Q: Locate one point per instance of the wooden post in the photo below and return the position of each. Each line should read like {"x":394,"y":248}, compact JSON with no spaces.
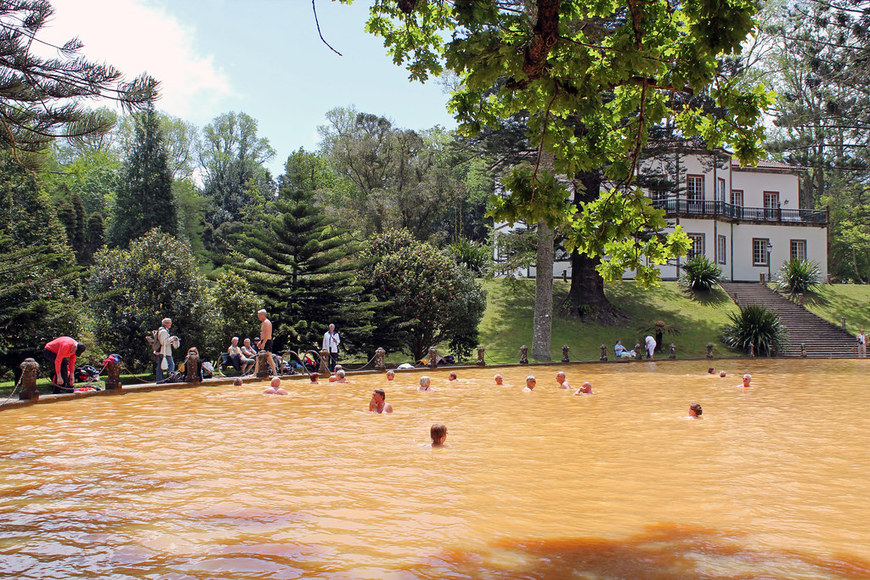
{"x":709,"y":350}
{"x":803,"y":350}
{"x":380,"y":353}
{"x":113,"y":374}
{"x":29,"y":368}
{"x":752,"y":349}
{"x":565,"y":353}
{"x":673,"y":353}
{"x":638,"y":352}
{"x":323,"y":368}
{"x":481,"y":354}
{"x":603,"y":353}
{"x":433,"y":358}
{"x":844,"y":322}
{"x":524,"y":355}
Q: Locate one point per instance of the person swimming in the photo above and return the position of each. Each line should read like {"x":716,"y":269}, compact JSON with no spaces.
{"x":747,"y":379}
{"x":425,"y":383}
{"x":562,"y":380}
{"x":695,"y":411}
{"x":391,"y":374}
{"x":585,"y":389}
{"x":451,"y":377}
{"x":275,"y":388}
{"x":378,"y":403}
{"x":438,"y":433}
{"x":498,"y":379}
{"x":530,"y":384}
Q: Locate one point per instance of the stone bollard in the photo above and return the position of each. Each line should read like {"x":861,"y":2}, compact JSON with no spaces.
{"x":638,"y":352}
{"x":752,"y":350}
{"x":800,"y":298}
{"x":192,"y":368}
{"x":603,"y":353}
{"x":565,"y":353}
{"x":323,"y":368}
{"x":481,"y":352}
{"x":29,"y":368}
{"x":844,"y":322}
{"x":263,"y":364}
{"x":803,"y":350}
{"x":709,"y":350}
{"x":433,"y":358}
{"x":673,"y":351}
{"x":380,"y":353}
{"x":113,"y":374}
{"x":524,"y":355}
{"x":736,"y":299}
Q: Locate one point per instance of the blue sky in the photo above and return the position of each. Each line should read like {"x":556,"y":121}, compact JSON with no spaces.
{"x":263,"y":57}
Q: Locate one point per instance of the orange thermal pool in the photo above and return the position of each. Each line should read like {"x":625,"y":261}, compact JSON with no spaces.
{"x":222,"y":482}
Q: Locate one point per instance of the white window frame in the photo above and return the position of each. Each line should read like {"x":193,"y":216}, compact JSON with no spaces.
{"x":759,"y":259}
{"x":695,"y":250}
{"x":692,"y":192}
{"x":798,"y":249}
{"x":722,"y":249}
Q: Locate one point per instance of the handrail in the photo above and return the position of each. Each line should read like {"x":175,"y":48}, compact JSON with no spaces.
{"x":701,"y":207}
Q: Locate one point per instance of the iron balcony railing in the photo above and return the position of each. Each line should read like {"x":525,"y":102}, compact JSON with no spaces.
{"x":692,"y":207}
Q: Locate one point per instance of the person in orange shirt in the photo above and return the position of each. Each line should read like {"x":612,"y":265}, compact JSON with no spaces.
{"x":61,"y":354}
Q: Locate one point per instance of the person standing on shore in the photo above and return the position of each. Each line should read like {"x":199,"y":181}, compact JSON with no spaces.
{"x":61,"y":354}
{"x":165,"y":344}
{"x":862,"y":344}
{"x":265,"y":342}
{"x":331,"y":340}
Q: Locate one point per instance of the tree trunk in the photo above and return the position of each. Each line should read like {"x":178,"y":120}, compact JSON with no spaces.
{"x":543,"y":325}
{"x":586,"y":297}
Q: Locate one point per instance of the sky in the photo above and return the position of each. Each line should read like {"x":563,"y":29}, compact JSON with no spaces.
{"x":260,"y":57}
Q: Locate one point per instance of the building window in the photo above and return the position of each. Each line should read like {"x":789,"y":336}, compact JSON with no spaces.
{"x":759,"y":251}
{"x":799,"y":250}
{"x":695,"y":187}
{"x":697,"y":248}
{"x":720,"y":190}
{"x":737,"y":197}
{"x":771,"y":204}
{"x":721,"y":249}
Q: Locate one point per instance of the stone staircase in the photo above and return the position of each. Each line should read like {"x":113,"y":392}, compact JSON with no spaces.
{"x":822,"y":339}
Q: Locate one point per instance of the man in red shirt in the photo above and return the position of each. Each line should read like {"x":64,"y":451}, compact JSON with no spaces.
{"x":61,"y":354}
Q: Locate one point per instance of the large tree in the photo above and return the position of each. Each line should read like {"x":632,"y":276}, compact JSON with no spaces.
{"x":145,"y":199}
{"x":303,"y":265}
{"x":45,"y":98}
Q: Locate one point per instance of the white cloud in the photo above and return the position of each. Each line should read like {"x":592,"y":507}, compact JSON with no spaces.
{"x":135,"y":38}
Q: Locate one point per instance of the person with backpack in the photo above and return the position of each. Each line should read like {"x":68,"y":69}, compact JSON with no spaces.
{"x":165,"y":343}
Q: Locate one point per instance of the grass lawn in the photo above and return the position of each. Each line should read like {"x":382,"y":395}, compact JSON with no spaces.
{"x":834,"y":301}
{"x":507,"y":322}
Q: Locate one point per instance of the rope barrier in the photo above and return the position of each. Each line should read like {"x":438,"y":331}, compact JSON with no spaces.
{"x":15,"y":388}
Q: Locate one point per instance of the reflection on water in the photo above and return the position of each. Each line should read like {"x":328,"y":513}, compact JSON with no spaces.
{"x":222,"y":482}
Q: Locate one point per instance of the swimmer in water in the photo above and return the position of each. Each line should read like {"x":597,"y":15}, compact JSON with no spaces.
{"x":711,"y":371}
{"x":585,"y":389}
{"x":562,"y":380}
{"x":424,"y":383}
{"x":339,"y":377}
{"x":451,"y":377}
{"x":746,"y":380}
{"x":722,"y":374}
{"x":275,"y":388}
{"x":391,"y":374}
{"x":314,"y":377}
{"x":695,"y":411}
{"x":237,"y":382}
{"x":378,"y":403}
{"x":498,"y":380}
{"x":438,"y":433}
{"x":530,"y":384}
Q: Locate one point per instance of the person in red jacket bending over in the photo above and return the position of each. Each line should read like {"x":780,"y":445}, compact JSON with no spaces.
{"x":61,"y":354}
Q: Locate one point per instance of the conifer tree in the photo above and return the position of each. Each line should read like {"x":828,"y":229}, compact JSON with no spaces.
{"x":145,"y":197}
{"x":304,"y":266}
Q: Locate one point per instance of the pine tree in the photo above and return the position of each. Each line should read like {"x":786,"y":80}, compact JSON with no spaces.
{"x":304,"y":266}
{"x":145,"y":197}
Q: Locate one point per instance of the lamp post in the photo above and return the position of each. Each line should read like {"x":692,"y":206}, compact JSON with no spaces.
{"x":769,"y":248}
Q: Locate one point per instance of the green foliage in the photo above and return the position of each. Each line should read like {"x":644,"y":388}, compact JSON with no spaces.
{"x":430,"y":299}
{"x":304,"y":266}
{"x":475,"y":256}
{"x":235,"y":311}
{"x":145,"y":198}
{"x":38,"y":296}
{"x":133,"y":289}
{"x":700,"y":274}
{"x":798,"y":277}
{"x":593,"y":78}
{"x":755,"y":325}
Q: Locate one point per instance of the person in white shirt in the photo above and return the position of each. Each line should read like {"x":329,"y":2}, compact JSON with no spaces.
{"x":862,"y":345}
{"x":165,"y":343}
{"x":331,"y":340}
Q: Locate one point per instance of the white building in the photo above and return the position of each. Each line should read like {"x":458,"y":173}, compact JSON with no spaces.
{"x":747,"y":220}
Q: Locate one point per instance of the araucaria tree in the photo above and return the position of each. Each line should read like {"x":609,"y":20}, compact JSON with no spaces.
{"x":145,"y":198}
{"x":303,"y":265}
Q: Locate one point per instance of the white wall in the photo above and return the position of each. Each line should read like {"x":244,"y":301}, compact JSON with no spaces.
{"x":755,"y":183}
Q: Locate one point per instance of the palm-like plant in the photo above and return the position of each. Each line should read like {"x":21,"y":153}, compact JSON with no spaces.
{"x":798,"y":277}
{"x":758,"y":326}
{"x":701,"y":274}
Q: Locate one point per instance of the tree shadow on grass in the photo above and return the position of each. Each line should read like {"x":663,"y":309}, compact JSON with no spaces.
{"x":664,"y":552}
{"x":714,"y":297}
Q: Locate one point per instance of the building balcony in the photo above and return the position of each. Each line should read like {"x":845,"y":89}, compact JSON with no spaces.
{"x":721,"y":210}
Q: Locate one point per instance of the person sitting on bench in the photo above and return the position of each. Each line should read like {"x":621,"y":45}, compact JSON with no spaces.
{"x":237,"y":358}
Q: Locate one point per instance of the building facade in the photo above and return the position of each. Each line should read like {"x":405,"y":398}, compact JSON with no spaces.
{"x":747,"y":220}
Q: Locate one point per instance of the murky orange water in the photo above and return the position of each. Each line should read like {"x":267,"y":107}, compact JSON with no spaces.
{"x":223,"y":482}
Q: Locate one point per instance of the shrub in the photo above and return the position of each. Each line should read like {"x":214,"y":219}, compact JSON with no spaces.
{"x":701,"y":274}
{"x":758,"y":326}
{"x":798,"y":277}
{"x":475,"y":256}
